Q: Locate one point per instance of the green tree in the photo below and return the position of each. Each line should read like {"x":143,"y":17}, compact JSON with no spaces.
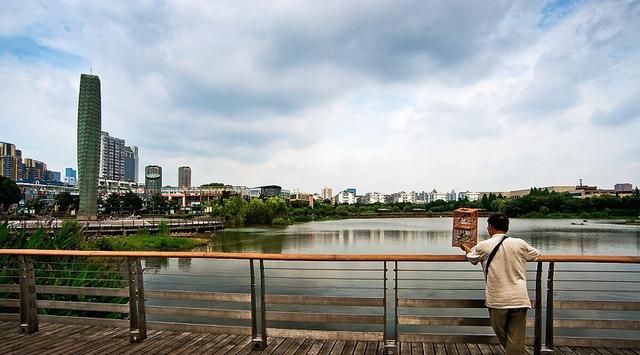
{"x":234,"y":211}
{"x":131,"y":202}
{"x":9,"y":193}
{"x":67,"y":202}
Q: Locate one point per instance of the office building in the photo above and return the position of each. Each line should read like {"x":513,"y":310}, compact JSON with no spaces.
{"x":70,"y":176}
{"x":153,"y":179}
{"x":624,"y":187}
{"x":89,"y":128}
{"x":131,"y":164}
{"x":184,"y":176}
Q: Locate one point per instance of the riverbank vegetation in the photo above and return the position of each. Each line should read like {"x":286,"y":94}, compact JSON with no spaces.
{"x":539,"y":203}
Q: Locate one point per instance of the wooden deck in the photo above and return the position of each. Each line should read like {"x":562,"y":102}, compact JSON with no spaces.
{"x":58,"y":339}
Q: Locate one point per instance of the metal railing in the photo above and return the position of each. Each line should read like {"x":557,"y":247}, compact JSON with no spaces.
{"x":388,"y":298}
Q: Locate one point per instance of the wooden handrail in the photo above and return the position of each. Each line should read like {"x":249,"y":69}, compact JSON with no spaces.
{"x":308,"y":257}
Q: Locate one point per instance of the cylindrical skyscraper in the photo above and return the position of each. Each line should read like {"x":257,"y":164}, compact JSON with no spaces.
{"x":89,"y":126}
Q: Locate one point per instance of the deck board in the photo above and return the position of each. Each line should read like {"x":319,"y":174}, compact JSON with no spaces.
{"x":58,"y":339}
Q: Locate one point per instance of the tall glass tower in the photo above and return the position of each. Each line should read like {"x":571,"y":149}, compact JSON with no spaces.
{"x":89,"y":126}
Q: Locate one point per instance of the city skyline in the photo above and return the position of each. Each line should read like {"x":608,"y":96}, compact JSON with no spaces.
{"x":384,"y":97}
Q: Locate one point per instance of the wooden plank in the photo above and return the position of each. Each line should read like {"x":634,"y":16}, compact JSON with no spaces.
{"x":349,"y":346}
{"x":485,"y":349}
{"x":497,"y":349}
{"x":428,"y":349}
{"x":315,"y":348}
{"x":416,"y":348}
{"x":177,"y":345}
{"x":372,"y":348}
{"x":240,"y":341}
{"x":284,"y":346}
{"x":104,"y":322}
{"x":474,"y":349}
{"x":451,"y":349}
{"x":324,"y":300}
{"x":425,"y":320}
{"x":326,"y":348}
{"x":441,"y":303}
{"x":5,"y":302}
{"x":404,"y":348}
{"x":208,"y":328}
{"x":84,"y":306}
{"x":208,"y":341}
{"x":597,"y":323}
{"x":462,"y":349}
{"x":325,"y":334}
{"x":79,"y":342}
{"x":448,"y":338}
{"x":324,"y":317}
{"x":199,"y":296}
{"x":304,"y":348}
{"x":597,"y":342}
{"x":597,"y":305}
{"x":439,"y":348}
{"x":295,"y":346}
{"x":212,"y":343}
{"x":360,"y":348}
{"x":9,"y":288}
{"x":308,"y":257}
{"x":87,"y":291}
{"x":198,"y":312}
{"x":338,"y":347}
{"x":62,"y":341}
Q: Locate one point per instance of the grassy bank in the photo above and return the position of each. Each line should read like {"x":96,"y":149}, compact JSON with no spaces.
{"x":148,"y":242}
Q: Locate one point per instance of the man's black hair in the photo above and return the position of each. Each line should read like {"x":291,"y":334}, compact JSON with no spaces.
{"x":499,"y":221}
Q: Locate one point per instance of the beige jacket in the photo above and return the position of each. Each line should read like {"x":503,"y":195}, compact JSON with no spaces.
{"x":507,"y":279}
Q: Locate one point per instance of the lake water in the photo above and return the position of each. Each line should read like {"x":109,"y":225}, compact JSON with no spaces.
{"x":426,"y":236}
{"x":417,"y":280}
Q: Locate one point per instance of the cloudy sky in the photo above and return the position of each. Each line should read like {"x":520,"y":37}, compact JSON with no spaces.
{"x":377,"y":95}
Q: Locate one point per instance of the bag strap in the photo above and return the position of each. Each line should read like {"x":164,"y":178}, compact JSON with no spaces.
{"x":493,"y":253}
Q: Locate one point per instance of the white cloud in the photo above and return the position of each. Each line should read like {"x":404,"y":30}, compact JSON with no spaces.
{"x":379,"y":95}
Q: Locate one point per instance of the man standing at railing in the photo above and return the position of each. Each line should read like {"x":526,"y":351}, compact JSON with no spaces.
{"x":504,"y":260}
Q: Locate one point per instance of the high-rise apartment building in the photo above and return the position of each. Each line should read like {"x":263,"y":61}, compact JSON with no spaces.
{"x":184,"y":176}
{"x":117,"y":161}
{"x":153,"y":179}
{"x":10,"y":161}
{"x":34,"y":170}
{"x":89,"y":128}
{"x":326,"y":193}
{"x":111,"y":157}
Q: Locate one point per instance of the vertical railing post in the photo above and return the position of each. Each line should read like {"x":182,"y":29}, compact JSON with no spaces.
{"x":390,"y":345}
{"x":258,"y":329}
{"x":28,"y":306}
{"x":548,"y":339}
{"x":537,"y":340}
{"x":254,"y":324}
{"x":137,"y":318}
{"x":142,"y":314}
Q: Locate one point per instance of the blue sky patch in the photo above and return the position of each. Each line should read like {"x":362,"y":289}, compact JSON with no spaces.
{"x":27,"y":49}
{"x":555,"y":10}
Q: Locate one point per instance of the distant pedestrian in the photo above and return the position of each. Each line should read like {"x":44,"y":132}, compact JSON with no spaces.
{"x":504,"y":260}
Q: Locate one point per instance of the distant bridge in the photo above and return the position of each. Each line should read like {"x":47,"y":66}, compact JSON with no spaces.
{"x":124,"y":226}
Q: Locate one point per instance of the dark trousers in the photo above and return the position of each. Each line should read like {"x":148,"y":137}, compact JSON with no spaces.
{"x":510,"y":326}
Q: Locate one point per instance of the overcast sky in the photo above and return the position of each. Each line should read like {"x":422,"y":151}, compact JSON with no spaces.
{"x":378,"y":95}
